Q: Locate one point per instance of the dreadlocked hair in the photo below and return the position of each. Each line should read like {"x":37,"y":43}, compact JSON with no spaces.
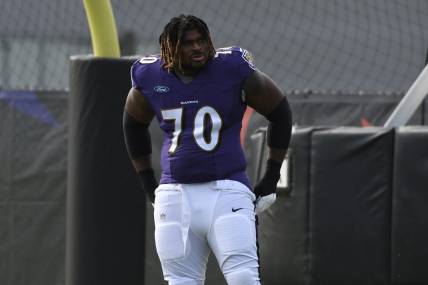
{"x":171,"y":39}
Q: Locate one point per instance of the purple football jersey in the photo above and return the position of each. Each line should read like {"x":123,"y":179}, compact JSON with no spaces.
{"x":201,"y":120}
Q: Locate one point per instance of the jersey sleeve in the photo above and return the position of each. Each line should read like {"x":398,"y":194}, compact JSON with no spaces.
{"x":242,"y":61}
{"x":141,"y":69}
{"x":134,"y":75}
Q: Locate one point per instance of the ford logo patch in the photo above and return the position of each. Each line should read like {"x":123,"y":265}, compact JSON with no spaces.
{"x":161,"y":89}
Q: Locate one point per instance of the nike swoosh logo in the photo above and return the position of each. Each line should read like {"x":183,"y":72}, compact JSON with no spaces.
{"x":237,"y":209}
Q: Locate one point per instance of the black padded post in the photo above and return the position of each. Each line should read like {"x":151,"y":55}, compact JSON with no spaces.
{"x":106,"y":207}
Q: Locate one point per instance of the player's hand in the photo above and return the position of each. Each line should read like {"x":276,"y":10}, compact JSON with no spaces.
{"x":265,"y":190}
{"x":264,"y":202}
{"x":149,"y":183}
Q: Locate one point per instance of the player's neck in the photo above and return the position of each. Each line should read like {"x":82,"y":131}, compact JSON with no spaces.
{"x":186,"y":78}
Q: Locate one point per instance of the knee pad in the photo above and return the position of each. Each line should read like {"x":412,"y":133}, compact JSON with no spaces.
{"x":243,"y":277}
{"x":235,"y":233}
{"x":236,"y":248}
{"x":169,"y":242}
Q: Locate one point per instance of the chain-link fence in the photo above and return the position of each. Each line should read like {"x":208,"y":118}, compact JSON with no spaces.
{"x":376,"y":45}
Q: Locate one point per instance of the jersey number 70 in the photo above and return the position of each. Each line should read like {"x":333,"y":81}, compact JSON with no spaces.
{"x":176,"y":116}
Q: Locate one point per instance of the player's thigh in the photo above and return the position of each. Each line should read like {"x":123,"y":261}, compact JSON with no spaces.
{"x":235,"y":247}
{"x":233,"y":232}
{"x":234,"y":238}
{"x":170,"y":227}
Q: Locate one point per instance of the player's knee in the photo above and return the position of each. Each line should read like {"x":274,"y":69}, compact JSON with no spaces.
{"x":243,"y":277}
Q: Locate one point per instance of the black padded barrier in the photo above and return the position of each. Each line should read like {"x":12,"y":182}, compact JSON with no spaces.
{"x":350,"y":197}
{"x":410,"y":204}
{"x":283,"y":228}
{"x":105,"y":204}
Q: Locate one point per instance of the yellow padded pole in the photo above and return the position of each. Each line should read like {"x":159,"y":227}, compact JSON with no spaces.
{"x":105,"y":42}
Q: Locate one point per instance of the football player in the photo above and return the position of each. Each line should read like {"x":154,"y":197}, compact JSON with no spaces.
{"x":204,"y":202}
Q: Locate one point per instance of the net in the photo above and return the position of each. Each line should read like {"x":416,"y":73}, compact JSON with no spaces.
{"x":356,"y":46}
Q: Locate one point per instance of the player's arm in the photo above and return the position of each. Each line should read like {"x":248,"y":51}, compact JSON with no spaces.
{"x":264,"y":96}
{"x":136,"y":120}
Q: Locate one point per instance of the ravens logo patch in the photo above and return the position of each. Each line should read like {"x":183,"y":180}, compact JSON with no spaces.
{"x":248,"y":57}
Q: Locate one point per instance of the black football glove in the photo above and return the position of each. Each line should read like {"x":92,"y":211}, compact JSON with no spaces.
{"x":149,"y":183}
{"x":265,"y":190}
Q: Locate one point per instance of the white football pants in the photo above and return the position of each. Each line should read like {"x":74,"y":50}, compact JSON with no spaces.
{"x":193,"y":219}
